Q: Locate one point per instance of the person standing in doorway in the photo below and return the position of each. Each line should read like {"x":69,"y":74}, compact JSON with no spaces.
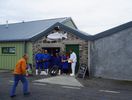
{"x":57,"y":62}
{"x":38,"y":60}
{"x":64,"y":60}
{"x":20,"y":75}
{"x":46,"y":62}
{"x":72,"y":60}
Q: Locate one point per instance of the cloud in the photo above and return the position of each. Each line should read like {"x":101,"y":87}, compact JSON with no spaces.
{"x":91,"y":16}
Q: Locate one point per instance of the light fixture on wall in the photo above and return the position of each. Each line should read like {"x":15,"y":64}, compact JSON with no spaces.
{"x":57,"y":28}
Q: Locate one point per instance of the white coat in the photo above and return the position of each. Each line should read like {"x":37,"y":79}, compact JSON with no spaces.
{"x":73,"y":57}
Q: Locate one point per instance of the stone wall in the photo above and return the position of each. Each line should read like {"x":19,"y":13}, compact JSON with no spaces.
{"x":112,"y":56}
{"x":72,"y":39}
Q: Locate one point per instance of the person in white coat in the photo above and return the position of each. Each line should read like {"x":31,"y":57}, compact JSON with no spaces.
{"x":73,"y":61}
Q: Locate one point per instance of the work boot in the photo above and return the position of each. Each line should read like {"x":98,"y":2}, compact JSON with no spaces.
{"x":43,"y":73}
{"x":36,"y":71}
{"x":72,"y":74}
{"x":12,"y":96}
{"x":59,"y":72}
{"x":26,"y":94}
{"x":47,"y":71}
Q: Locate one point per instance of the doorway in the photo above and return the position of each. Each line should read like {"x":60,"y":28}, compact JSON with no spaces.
{"x":52,"y":50}
{"x":75,"y":48}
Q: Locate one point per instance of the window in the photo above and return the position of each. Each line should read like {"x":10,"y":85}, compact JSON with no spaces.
{"x":8,"y":50}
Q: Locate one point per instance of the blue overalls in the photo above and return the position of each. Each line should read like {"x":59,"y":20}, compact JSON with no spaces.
{"x":57,"y":61}
{"x":46,"y":59}
{"x":64,"y":64}
{"x":52,"y":61}
{"x":38,"y":58}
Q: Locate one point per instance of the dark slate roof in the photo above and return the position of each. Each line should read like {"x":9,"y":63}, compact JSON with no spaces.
{"x":112,"y":31}
{"x":25,"y":31}
{"x":31,"y":31}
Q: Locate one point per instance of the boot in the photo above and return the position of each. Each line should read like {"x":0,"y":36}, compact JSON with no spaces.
{"x":59,"y":72}
{"x":36,"y":71}
{"x":47,"y":71}
{"x":43,"y":73}
{"x":72,"y":74}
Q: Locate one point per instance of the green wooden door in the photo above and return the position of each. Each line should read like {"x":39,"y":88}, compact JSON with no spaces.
{"x":75,"y":48}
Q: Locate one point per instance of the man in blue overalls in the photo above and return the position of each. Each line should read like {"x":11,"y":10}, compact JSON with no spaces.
{"x":46,"y":61}
{"x":51,"y":60}
{"x":56,"y":60}
{"x":64,"y":60}
{"x":38,"y":59}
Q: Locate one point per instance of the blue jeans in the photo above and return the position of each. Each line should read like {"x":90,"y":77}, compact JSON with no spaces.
{"x":24,"y":81}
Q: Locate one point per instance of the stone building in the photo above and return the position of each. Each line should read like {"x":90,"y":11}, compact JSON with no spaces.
{"x":107,"y":54}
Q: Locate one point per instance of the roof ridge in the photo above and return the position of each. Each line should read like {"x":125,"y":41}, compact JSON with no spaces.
{"x":113,"y":30}
{"x":64,"y":18}
{"x":117,"y":26}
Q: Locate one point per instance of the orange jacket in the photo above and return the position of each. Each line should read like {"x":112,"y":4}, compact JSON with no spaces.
{"x":20,"y":67}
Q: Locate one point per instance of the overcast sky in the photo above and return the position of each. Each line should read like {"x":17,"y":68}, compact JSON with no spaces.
{"x":91,"y":16}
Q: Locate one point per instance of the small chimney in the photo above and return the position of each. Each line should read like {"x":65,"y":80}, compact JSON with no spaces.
{"x":7,"y":24}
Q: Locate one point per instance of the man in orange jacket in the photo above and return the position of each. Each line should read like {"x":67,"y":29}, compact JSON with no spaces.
{"x":20,"y":74}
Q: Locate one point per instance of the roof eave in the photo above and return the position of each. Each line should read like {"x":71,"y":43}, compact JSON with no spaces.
{"x":17,"y":40}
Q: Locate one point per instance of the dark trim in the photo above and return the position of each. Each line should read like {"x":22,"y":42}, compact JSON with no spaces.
{"x":113,"y":31}
{"x":19,"y":40}
{"x":8,"y":50}
{"x":75,"y":32}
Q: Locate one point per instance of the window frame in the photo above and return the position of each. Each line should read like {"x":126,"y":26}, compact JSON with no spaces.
{"x":8,"y":50}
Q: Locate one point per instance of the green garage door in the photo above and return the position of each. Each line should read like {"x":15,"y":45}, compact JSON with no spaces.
{"x":75,"y":48}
